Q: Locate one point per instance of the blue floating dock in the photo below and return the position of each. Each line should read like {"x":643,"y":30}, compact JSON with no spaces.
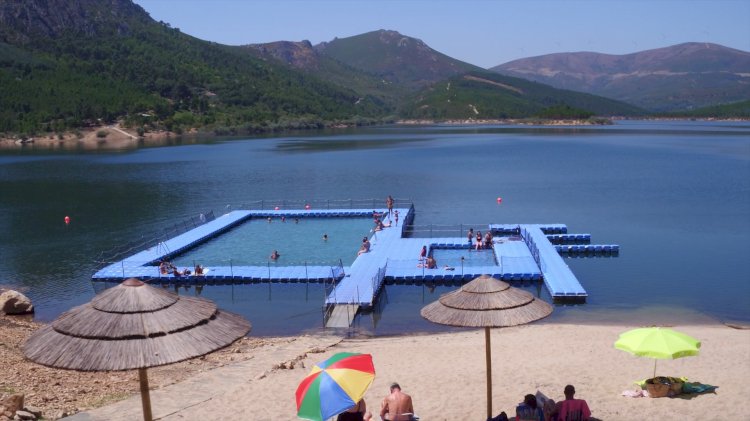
{"x":522,"y":252}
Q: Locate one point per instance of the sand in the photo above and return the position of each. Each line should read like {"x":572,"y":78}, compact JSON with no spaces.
{"x":445,"y":374}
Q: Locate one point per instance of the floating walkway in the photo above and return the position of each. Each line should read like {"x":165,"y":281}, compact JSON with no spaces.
{"x":520,"y":252}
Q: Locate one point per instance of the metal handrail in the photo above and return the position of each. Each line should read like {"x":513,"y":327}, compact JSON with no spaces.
{"x":320,"y":204}
{"x":129,"y":248}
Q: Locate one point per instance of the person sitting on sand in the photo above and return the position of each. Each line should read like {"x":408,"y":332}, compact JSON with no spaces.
{"x":275,"y":255}
{"x":397,"y":406}
{"x":571,"y":408}
{"x":365,"y":247}
{"x":358,"y":412}
{"x":529,"y":410}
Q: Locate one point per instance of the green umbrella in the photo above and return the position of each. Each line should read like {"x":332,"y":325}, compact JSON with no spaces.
{"x":657,"y":342}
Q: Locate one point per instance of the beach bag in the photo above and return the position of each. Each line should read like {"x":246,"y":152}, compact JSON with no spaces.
{"x":660,"y":387}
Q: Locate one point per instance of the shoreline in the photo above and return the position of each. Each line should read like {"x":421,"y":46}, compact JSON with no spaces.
{"x":122,"y":138}
{"x":543,"y":356}
{"x":116,"y":137}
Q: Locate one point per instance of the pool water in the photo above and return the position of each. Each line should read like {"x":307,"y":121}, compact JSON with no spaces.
{"x":298,"y":242}
{"x":452,"y":257}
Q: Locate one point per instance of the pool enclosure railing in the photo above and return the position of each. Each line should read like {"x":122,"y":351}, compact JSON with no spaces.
{"x":282,"y":204}
{"x":117,"y":253}
{"x":451,"y":230}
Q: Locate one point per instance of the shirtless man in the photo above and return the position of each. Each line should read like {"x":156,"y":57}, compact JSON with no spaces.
{"x":397,"y":406}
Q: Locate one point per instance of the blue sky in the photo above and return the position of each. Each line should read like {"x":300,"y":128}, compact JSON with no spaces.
{"x":481,"y":32}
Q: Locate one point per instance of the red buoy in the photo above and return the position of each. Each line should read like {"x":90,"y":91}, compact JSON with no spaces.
{"x":67,"y":220}
{"x":276,"y":208}
{"x":499,"y":200}
{"x":307,"y":207}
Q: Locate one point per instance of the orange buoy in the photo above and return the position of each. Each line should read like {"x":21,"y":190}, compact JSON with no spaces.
{"x":67,"y":220}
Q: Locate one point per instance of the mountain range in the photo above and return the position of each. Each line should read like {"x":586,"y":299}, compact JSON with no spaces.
{"x":70,"y":63}
{"x":680,"y":77}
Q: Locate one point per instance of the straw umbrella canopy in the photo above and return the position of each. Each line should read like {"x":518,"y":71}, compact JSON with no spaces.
{"x":486,"y":302}
{"x":134,"y":325}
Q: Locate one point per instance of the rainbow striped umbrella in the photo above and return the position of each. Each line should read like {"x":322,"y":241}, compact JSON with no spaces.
{"x":334,"y":385}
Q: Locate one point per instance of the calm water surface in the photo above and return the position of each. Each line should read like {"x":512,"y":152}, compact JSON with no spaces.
{"x":674,"y":195}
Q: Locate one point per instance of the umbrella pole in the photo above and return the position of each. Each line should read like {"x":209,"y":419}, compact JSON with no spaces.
{"x":145,"y":397}
{"x":654,"y":367}
{"x":488,"y":357}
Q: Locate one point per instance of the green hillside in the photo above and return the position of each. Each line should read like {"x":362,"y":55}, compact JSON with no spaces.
{"x":302,"y":56}
{"x":739,"y":109}
{"x":150,"y":74}
{"x":485,"y":95}
{"x":394,"y":58}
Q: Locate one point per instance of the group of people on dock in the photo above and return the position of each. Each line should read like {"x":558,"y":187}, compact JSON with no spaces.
{"x":479,"y":242}
{"x":167,"y":268}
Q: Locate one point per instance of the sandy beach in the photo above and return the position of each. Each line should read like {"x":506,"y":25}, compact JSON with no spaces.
{"x":445,"y":374}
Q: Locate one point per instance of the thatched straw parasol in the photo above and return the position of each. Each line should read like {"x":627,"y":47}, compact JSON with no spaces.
{"x":486,"y":302}
{"x":134,"y":325}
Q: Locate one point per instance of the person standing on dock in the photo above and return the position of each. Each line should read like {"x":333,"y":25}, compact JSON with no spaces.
{"x":470,"y":236}
{"x":395,"y":213}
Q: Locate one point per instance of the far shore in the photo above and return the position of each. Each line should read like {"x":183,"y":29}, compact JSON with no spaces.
{"x":89,"y":139}
{"x":117,"y":137}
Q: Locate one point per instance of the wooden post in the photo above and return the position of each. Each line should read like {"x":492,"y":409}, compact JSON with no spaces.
{"x":488,"y":355}
{"x":145,"y":397}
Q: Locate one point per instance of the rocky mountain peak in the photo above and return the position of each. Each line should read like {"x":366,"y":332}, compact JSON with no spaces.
{"x":298,"y":54}
{"x":24,"y":20}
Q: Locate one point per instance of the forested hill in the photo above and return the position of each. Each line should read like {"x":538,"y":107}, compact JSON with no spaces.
{"x":487,"y":95}
{"x":395,"y":58}
{"x":69,"y":63}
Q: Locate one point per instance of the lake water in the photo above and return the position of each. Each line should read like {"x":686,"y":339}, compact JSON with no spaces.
{"x":674,"y":195}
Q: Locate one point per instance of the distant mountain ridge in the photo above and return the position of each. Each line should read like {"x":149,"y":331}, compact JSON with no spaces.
{"x":682,"y":76}
{"x":405,"y":71}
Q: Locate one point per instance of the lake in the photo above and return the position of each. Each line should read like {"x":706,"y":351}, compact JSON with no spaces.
{"x":674,"y":195}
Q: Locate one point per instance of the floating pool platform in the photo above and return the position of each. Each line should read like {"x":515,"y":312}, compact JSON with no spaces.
{"x":522,"y":253}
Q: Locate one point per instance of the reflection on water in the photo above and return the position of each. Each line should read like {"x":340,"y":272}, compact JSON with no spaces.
{"x":674,"y":195}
